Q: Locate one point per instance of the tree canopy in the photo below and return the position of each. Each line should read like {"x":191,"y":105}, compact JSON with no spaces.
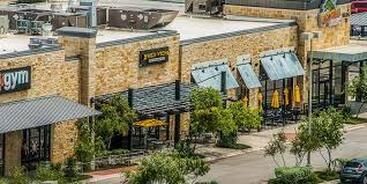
{"x":168,"y":168}
{"x":358,"y":87}
{"x":116,"y":118}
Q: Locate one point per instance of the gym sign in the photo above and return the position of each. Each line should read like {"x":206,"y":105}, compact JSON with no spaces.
{"x":153,"y":56}
{"x":330,"y":15}
{"x":13,"y":80}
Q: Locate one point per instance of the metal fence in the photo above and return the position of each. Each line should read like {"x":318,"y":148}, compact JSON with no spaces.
{"x":283,"y":4}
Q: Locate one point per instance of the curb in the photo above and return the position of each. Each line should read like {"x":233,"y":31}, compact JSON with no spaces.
{"x":351,"y":128}
{"x":101,"y":178}
{"x":233,"y":154}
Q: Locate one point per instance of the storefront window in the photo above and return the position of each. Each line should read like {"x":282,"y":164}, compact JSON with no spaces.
{"x":36,"y":146}
{"x":270,"y":86}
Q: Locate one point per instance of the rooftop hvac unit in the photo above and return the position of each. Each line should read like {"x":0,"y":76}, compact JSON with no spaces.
{"x":4,"y":24}
{"x":138,"y":18}
{"x":209,"y":7}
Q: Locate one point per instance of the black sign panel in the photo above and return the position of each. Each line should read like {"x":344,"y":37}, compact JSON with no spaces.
{"x":13,"y":80}
{"x":153,"y":56}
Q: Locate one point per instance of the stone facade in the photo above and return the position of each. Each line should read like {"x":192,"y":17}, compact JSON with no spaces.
{"x":14,"y":142}
{"x":51,"y":75}
{"x":232,"y":47}
{"x":117,"y":67}
{"x":307,"y":21}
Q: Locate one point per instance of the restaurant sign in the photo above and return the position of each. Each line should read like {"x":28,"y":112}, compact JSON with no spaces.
{"x":153,"y":56}
{"x":13,"y":80}
{"x":330,"y":15}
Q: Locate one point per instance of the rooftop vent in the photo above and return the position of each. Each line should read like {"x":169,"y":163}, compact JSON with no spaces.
{"x":37,"y":43}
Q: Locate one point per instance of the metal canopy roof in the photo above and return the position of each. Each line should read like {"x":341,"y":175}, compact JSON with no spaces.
{"x":359,"y":19}
{"x":156,"y":99}
{"x":353,"y":52}
{"x":39,"y":112}
{"x":282,"y":65}
{"x":248,"y":75}
{"x":210,"y":76}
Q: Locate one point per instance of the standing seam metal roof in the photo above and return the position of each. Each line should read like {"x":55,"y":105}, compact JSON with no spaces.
{"x":40,"y":112}
{"x":155,"y":99}
{"x":359,"y":19}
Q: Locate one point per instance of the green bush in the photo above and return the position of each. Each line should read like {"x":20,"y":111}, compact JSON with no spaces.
{"x":46,"y":172}
{"x":18,"y":176}
{"x":3,"y":181}
{"x":327,"y":175}
{"x":185,"y":149}
{"x":228,"y":140}
{"x":208,"y":182}
{"x":347,"y":113}
{"x":294,"y":175}
{"x":71,"y":169}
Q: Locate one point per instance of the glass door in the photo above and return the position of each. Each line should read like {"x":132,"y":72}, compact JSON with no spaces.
{"x":36,"y":146}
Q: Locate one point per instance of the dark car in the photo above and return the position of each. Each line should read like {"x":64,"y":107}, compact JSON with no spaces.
{"x":354,"y":171}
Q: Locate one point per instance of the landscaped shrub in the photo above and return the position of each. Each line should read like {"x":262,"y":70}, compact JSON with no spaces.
{"x":294,"y":175}
{"x":71,"y":169}
{"x":208,"y":182}
{"x":46,"y":172}
{"x":18,"y":176}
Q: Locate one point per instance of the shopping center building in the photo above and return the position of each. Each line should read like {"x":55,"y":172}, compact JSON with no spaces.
{"x":255,"y":50}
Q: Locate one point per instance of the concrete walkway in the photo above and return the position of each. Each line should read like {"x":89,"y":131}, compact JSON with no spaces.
{"x":257,"y":140}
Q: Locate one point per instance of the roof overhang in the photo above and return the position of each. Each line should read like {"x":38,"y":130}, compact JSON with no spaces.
{"x":40,"y":112}
{"x":353,"y":52}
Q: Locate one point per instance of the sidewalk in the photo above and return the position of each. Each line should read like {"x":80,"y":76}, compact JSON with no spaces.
{"x":257,"y":141}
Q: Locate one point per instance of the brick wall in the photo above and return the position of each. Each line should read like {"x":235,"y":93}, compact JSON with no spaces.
{"x":117,"y":67}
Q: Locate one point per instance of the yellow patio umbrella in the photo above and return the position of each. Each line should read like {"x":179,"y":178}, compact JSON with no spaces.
{"x":275,"y":100}
{"x":245,"y":101}
{"x":260,"y":99}
{"x":148,"y":123}
{"x":286,"y":96}
{"x":297,"y":94}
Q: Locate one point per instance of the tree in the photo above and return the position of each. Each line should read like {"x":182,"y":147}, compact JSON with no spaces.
{"x":277,"y":146}
{"x":87,"y":148}
{"x":326,"y":133}
{"x":209,"y":115}
{"x":330,"y":132}
{"x":116,"y":118}
{"x":245,"y":117}
{"x":168,"y":168}
{"x":358,"y":88}
{"x":305,"y":142}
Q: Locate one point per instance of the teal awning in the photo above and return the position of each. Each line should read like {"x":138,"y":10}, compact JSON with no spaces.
{"x":282,"y":65}
{"x":210,"y":76}
{"x":248,"y":75}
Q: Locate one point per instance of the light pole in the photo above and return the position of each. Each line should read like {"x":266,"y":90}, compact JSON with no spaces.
{"x":310,"y":36}
{"x":310,"y":81}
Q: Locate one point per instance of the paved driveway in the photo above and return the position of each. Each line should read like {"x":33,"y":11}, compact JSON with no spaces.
{"x":253,"y":168}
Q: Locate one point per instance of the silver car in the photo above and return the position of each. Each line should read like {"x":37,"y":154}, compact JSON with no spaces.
{"x":354,"y":171}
